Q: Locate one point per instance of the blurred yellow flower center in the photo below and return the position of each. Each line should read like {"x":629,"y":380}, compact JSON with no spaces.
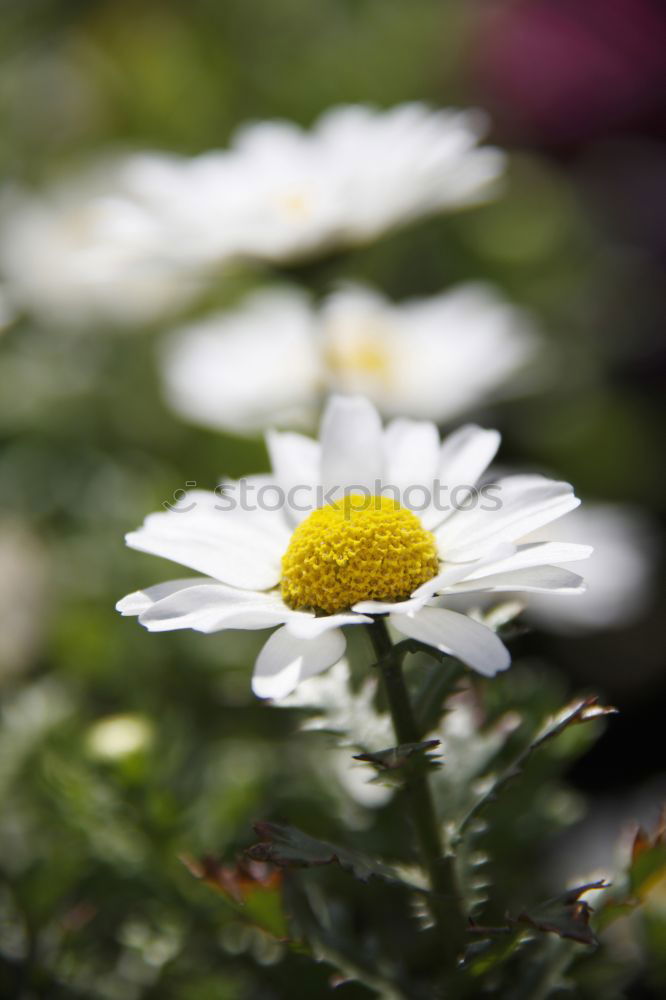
{"x":359,"y":548}
{"x":362,"y":356}
{"x":296,"y":206}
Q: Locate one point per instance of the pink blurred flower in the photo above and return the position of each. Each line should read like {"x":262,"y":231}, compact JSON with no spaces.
{"x":561,"y":72}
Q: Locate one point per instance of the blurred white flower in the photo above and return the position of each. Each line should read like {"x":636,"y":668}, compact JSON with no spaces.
{"x":118,"y":736}
{"x":87,"y":251}
{"x":331,"y":549}
{"x":271,"y":360}
{"x":130,"y":240}
{"x":618,"y":574}
{"x":281,"y":192}
{"x":250,"y":368}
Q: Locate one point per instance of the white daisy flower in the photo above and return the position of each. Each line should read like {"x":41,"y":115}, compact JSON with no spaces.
{"x":271,"y":360}
{"x":86,"y":250}
{"x":319,"y":545}
{"x":281,"y":192}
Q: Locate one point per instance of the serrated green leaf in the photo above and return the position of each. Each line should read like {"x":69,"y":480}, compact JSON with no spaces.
{"x":395,"y":758}
{"x":580,"y":711}
{"x":287,"y":847}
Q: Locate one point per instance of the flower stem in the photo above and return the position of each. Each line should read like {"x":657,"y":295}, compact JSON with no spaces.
{"x":445,"y":900}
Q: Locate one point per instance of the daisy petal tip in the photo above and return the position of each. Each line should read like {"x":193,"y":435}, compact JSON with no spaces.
{"x":135,"y":539}
{"x":262,"y":691}
{"x":343,"y":405}
{"x":274,"y":688}
{"x":499,"y":667}
{"x":496,"y":663}
{"x":584,"y":551}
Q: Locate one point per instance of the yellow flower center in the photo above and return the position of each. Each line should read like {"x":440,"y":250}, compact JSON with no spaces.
{"x":359,"y":548}
{"x":296,"y":205}
{"x":362,"y":355}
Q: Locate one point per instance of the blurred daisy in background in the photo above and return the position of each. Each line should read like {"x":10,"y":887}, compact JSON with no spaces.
{"x":131,"y":240}
{"x":313,"y":567}
{"x":281,"y":192}
{"x":86,"y":251}
{"x":273,"y":358}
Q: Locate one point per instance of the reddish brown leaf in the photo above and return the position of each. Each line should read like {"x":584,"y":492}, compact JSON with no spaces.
{"x":235,"y":881}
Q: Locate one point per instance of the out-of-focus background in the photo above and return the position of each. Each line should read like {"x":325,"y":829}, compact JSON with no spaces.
{"x":119,"y":750}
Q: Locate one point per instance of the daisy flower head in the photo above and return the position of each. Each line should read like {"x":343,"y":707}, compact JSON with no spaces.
{"x":88,"y":250}
{"x":358,"y":172}
{"x":272,"y":359}
{"x":365,"y":522}
{"x":280,"y":192}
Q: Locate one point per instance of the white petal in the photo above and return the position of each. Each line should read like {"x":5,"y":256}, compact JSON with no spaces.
{"x":452,"y":573}
{"x":458,"y":635}
{"x":411,"y":450}
{"x":351,"y":443}
{"x":207,"y":606}
{"x":533,"y":579}
{"x":306,"y":626}
{"x":141,"y":600}
{"x":240,"y":548}
{"x":465,"y":455}
{"x":518,"y":505}
{"x":285,"y":660}
{"x":531,"y":554}
{"x":384,"y":607}
{"x":247,"y":368}
{"x":296,"y":462}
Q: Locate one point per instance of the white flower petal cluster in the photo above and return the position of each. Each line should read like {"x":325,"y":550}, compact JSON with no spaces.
{"x":89,"y":250}
{"x":281,"y":192}
{"x":479,"y":549}
{"x":270,"y":360}
{"x":129,"y":240}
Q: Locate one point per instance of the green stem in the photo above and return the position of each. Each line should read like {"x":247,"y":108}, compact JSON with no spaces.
{"x":446,"y":905}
